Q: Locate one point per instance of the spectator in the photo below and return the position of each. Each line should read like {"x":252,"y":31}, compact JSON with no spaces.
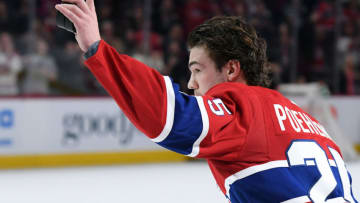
{"x":215,"y":8}
{"x":129,"y":41}
{"x":324,"y":14}
{"x":50,"y":22}
{"x":4,"y":17}
{"x":105,"y":11}
{"x":277,"y":8}
{"x":154,"y":59}
{"x":346,"y":49}
{"x":240,"y":9}
{"x":285,"y":51}
{"x":195,"y":12}
{"x":19,"y":18}
{"x":175,"y":33}
{"x":351,"y":10}
{"x":323,"y":46}
{"x":45,"y":7}
{"x":261,"y":19}
{"x":40,"y":69}
{"x":349,"y":74}
{"x":10,"y":66}
{"x":108,"y":34}
{"x":319,"y":68}
{"x":176,"y":65}
{"x":71,"y":79}
{"x":165,"y":16}
{"x":175,"y":56}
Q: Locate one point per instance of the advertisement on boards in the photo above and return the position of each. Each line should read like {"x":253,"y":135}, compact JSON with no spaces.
{"x":7,"y":126}
{"x":66,"y":125}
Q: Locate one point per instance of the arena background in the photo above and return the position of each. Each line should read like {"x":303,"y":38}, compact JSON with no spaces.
{"x":54,"y":114}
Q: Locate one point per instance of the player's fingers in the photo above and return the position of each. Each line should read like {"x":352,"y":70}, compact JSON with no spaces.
{"x":91,"y":4}
{"x":68,"y":13}
{"x":74,"y":9}
{"x":80,"y":3}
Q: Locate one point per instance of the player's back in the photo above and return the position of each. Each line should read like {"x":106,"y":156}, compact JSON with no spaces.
{"x":289,"y":157}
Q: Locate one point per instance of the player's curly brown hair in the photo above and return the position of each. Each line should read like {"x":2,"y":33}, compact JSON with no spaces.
{"x":232,"y":38}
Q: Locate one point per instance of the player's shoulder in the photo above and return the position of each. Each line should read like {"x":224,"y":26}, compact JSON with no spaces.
{"x":252,"y":98}
{"x":243,"y":90}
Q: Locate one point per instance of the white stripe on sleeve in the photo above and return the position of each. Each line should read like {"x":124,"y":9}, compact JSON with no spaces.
{"x":205,"y":122}
{"x":170,"y":111}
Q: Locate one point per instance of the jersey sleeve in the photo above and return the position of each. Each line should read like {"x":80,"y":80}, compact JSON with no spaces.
{"x":186,"y":124}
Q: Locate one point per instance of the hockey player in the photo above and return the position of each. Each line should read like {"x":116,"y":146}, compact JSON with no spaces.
{"x":260,"y":146}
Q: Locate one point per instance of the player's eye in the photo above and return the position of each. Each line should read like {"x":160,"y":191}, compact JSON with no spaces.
{"x":196,"y":70}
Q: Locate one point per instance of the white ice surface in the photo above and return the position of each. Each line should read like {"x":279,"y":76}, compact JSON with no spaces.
{"x":158,"y":183}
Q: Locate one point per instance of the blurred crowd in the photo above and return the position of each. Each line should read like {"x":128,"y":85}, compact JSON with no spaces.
{"x":307,"y":41}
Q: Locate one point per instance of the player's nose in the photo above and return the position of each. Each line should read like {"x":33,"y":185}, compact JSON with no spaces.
{"x":192,"y":83}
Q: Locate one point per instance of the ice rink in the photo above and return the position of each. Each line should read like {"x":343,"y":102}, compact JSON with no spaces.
{"x":159,"y":183}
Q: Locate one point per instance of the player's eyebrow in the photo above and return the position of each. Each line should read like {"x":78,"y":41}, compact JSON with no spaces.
{"x":192,"y":63}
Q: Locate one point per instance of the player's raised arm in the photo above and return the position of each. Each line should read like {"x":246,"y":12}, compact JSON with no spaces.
{"x":151,"y":101}
{"x":154,"y":104}
{"x":83,"y":15}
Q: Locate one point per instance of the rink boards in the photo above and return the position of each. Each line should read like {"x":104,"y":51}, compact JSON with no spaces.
{"x":47,"y":132}
{"x":63,"y":131}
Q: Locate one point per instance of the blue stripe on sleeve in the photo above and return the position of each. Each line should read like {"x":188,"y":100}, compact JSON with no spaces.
{"x":187,"y":125}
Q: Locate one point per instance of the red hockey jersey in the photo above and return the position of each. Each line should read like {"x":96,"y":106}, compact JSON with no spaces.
{"x":260,"y":146}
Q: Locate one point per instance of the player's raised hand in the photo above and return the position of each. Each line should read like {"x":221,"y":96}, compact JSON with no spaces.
{"x":83,"y":15}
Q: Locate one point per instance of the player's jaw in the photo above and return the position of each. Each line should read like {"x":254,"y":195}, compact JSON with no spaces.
{"x":196,"y":93}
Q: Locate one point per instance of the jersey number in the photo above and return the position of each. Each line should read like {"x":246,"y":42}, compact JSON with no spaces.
{"x":217,"y":107}
{"x":310,"y":153}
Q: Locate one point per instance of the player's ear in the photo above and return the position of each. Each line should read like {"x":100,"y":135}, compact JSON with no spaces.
{"x":234,"y":71}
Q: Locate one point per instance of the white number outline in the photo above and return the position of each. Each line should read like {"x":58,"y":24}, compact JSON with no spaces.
{"x":309,"y":152}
